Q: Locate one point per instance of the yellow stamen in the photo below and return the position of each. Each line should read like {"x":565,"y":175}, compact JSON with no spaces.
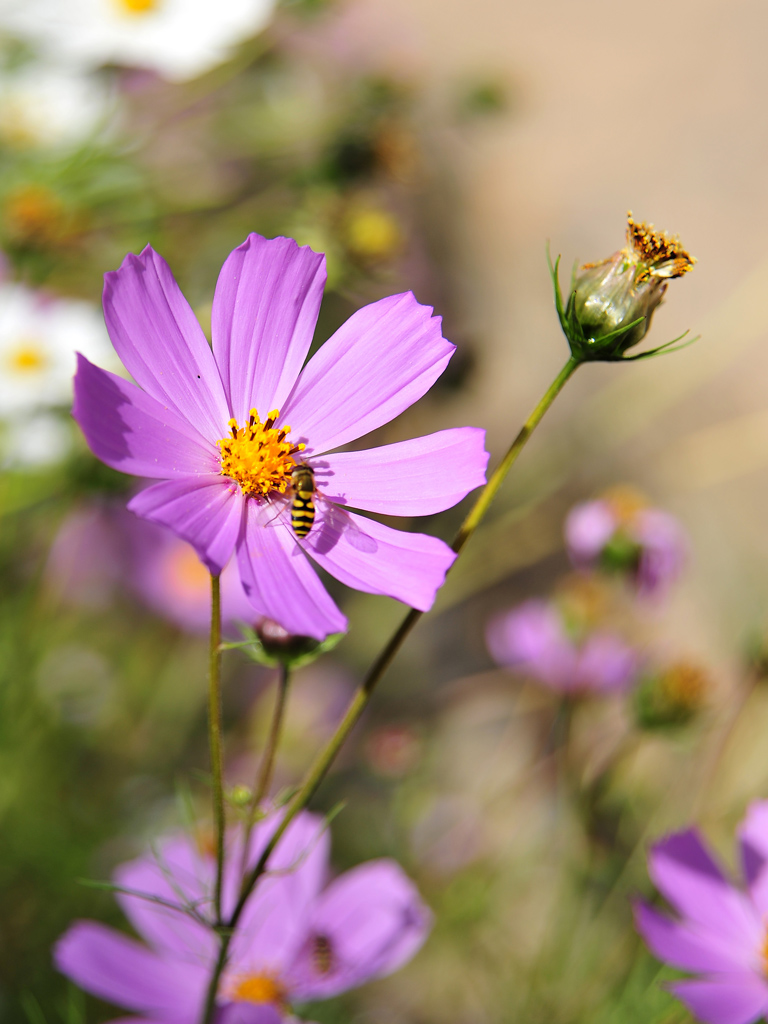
{"x":137,"y":6}
{"x":186,"y":573}
{"x":685,"y":685}
{"x":625,"y":501}
{"x":258,"y":988}
{"x":664,"y":256}
{"x":27,"y":357}
{"x":258,"y":456}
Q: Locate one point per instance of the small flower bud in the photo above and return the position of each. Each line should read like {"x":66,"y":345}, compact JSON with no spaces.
{"x":270,"y":644}
{"x":240,"y":796}
{"x":611,"y":303}
{"x":281,"y":645}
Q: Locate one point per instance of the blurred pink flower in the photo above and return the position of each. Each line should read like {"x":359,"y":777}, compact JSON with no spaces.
{"x":101,"y":546}
{"x":300,"y":938}
{"x":532,"y":639}
{"x":646,"y":543}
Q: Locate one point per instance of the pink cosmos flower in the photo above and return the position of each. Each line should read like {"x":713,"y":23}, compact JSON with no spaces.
{"x":300,"y":937}
{"x":721,"y":933}
{"x":532,"y":638}
{"x":647,"y":543}
{"x":212,"y":425}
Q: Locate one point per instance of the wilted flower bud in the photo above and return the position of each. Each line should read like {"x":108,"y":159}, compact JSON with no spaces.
{"x":672,"y":697}
{"x":611,"y":303}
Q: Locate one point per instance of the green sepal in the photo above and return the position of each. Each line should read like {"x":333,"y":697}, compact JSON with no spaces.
{"x":303,"y":650}
{"x":666,"y":349}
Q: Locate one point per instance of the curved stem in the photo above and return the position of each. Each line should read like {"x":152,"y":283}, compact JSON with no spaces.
{"x":267,"y":765}
{"x":361,"y":698}
{"x":214,"y":737}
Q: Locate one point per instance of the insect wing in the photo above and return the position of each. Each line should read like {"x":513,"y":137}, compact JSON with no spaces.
{"x":343,"y":523}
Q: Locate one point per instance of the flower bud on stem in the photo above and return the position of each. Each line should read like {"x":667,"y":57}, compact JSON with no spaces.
{"x":608,"y":310}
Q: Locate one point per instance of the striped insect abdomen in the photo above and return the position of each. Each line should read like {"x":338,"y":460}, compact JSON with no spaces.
{"x":302,"y":513}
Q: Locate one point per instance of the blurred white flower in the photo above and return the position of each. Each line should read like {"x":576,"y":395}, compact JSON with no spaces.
{"x":46,"y":106}
{"x":41,"y":441}
{"x":179,"y":39}
{"x":39,"y":335}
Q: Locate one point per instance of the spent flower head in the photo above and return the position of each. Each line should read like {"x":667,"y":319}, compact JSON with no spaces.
{"x":300,"y":938}
{"x":242,"y":438}
{"x":719,"y":932}
{"x":611,"y":302}
{"x":672,"y":696}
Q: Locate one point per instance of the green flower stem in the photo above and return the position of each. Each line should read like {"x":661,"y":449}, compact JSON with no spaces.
{"x":363,"y":695}
{"x":214,"y":737}
{"x":267,"y":766}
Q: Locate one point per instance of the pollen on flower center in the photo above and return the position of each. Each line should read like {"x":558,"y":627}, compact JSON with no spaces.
{"x":258,"y":456}
{"x":27,"y":357}
{"x":257,"y":988}
{"x":137,"y":6}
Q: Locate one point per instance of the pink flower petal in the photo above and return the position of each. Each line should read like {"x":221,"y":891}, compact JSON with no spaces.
{"x":588,"y":528}
{"x":279,"y":580}
{"x":730,"y":999}
{"x":381,"y":361}
{"x":605,"y":664}
{"x":531,"y":638}
{"x":412,"y":478}
{"x":691,"y":881}
{"x":206,"y":511}
{"x":373,"y":920}
{"x":683,"y":947}
{"x":134,"y":433}
{"x":264,"y":314}
{"x":178,"y":874}
{"x":161,"y":344}
{"x":753,"y":840}
{"x":123,"y":972}
{"x":378,"y":560}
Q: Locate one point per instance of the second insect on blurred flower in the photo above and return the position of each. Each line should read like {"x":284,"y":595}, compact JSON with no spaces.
{"x":300,"y":938}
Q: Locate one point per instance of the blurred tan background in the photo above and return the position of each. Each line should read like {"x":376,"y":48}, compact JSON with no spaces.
{"x":659,"y":108}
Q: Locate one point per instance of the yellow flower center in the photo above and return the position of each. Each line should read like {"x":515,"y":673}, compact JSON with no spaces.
{"x":137,"y":6}
{"x":27,"y":357}
{"x":258,"y":456}
{"x":372,"y":233}
{"x":258,"y":988}
{"x":186,"y":573}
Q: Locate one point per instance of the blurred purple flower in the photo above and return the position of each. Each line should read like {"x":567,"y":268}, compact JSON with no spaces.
{"x":101,"y":546}
{"x":646,"y":542}
{"x":211,"y":425}
{"x":721,"y":934}
{"x":532,"y":638}
{"x":299,"y":938}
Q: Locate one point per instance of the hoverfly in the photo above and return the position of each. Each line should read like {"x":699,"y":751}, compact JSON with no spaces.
{"x":303,"y":493}
{"x":322,"y":954}
{"x":303,"y":505}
